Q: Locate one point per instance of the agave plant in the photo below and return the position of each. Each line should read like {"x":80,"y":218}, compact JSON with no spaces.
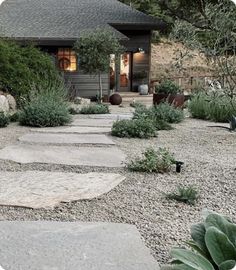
{"x":213,"y":246}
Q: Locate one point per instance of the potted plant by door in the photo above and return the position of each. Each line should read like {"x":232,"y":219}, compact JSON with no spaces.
{"x":168,"y":91}
{"x":140,"y":81}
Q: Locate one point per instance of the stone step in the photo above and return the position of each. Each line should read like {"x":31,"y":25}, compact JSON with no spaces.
{"x":73,"y":246}
{"x":40,"y":189}
{"x":67,"y":138}
{"x":110,"y":157}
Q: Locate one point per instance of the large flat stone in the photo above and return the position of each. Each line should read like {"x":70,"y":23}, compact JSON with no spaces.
{"x":90,"y":122}
{"x":37,"y":189}
{"x":79,"y":156}
{"x":74,"y":129}
{"x":60,"y":138}
{"x":72,"y":246}
{"x":111,"y":116}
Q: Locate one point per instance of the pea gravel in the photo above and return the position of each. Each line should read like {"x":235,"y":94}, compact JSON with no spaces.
{"x":209,"y":154}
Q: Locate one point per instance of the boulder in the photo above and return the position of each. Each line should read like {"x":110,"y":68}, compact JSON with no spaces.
{"x":4,"y":105}
{"x":82,"y":101}
{"x":11,"y":102}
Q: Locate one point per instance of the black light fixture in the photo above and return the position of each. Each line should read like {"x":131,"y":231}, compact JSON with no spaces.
{"x":179,"y":164}
{"x":140,"y":50}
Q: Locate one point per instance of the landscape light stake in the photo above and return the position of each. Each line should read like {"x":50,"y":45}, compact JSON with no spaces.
{"x":233,"y":124}
{"x":179,"y":165}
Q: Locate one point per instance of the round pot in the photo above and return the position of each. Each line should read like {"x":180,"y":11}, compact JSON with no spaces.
{"x":176,"y":100}
{"x":115,"y":99}
{"x":143,"y":89}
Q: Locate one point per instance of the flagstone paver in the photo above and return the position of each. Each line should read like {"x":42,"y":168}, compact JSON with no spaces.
{"x":91,"y":122}
{"x":60,"y":138}
{"x":73,"y":246}
{"x":78,"y":156}
{"x":39,"y":189}
{"x":74,"y":129}
{"x":111,"y":116}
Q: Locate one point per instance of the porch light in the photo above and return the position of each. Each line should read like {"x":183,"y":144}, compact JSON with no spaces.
{"x":140,"y":50}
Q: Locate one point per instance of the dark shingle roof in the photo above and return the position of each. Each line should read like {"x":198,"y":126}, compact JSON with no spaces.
{"x":66,"y":19}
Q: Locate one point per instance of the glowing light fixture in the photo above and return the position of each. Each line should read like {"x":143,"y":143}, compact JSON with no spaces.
{"x":140,"y":50}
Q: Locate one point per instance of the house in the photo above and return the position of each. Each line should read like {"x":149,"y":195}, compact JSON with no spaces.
{"x":55,"y":25}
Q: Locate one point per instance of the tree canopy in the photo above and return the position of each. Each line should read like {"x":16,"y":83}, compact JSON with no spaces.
{"x":192,"y":11}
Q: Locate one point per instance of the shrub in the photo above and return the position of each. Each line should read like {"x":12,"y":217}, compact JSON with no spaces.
{"x":213,"y":106}
{"x":199,"y":105}
{"x":47,"y":108}
{"x":187,"y":195}
{"x":23,"y":66}
{"x":168,"y":87}
{"x":161,"y":115}
{"x":95,"y":109}
{"x":4,"y":120}
{"x":135,"y":105}
{"x":14,"y":117}
{"x":159,"y":161}
{"x":213,"y":246}
{"x":136,"y":128}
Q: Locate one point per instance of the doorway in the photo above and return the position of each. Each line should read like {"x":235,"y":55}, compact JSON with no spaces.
{"x":125,"y":72}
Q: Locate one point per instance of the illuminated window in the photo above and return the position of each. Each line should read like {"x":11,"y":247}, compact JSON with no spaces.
{"x":67,"y":59}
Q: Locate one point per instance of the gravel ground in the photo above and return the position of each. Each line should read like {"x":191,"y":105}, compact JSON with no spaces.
{"x":209,"y":154}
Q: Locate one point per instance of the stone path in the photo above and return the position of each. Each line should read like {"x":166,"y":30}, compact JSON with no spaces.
{"x":73,"y":246}
{"x":37,"y":189}
{"x":91,"y":122}
{"x":65,"y":155}
{"x":74,"y":129}
{"x":60,"y":138}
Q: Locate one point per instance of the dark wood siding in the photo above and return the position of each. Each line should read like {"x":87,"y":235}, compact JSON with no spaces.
{"x":85,"y":85}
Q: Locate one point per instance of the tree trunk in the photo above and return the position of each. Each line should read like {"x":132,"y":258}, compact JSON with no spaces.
{"x":100,"y":87}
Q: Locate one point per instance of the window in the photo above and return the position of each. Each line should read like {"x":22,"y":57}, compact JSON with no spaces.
{"x":67,"y":59}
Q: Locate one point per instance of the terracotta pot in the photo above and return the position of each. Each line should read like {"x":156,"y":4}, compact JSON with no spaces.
{"x":115,"y":99}
{"x":176,"y":100}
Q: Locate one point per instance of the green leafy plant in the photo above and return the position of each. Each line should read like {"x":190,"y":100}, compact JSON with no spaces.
{"x":161,"y":115}
{"x":14,"y":117}
{"x":159,"y":161}
{"x":47,"y":107}
{"x":187,"y":195}
{"x":136,"y":104}
{"x":213,"y":246}
{"x":4,"y":120}
{"x":135,"y":128}
{"x":23,"y":66}
{"x":95,"y":109}
{"x":168,"y":87}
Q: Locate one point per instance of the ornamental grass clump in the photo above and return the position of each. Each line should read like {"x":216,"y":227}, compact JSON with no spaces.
{"x":213,"y":106}
{"x":157,"y":161}
{"x":4,"y":120}
{"x":188,"y":195}
{"x":213,"y":246}
{"x":47,"y":107}
{"x":135,"y":128}
{"x":95,"y":109}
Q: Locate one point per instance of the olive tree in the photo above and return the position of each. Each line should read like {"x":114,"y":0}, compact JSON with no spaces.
{"x":94,"y":50}
{"x":218,"y":43}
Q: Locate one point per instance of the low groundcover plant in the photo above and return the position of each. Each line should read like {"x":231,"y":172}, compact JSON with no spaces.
{"x":213,"y":246}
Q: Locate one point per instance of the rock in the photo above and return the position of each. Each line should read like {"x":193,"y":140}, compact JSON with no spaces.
{"x":4,"y":105}
{"x":82,"y":101}
{"x":11,"y":102}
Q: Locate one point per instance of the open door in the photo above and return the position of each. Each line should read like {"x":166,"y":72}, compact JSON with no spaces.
{"x":125,"y":72}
